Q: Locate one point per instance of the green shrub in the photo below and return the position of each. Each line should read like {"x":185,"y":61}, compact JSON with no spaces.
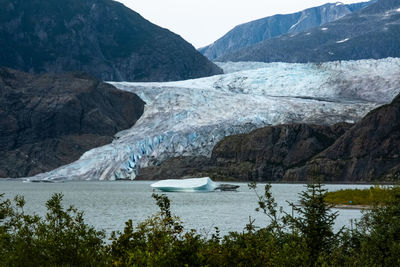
{"x":60,"y":239}
{"x":373,"y":195}
{"x":158,"y":241}
{"x":303,"y":238}
{"x":377,"y":235}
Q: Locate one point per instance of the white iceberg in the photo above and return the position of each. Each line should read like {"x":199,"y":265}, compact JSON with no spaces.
{"x":204,"y":184}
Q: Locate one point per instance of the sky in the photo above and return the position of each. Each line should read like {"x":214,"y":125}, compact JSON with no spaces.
{"x":201,"y":22}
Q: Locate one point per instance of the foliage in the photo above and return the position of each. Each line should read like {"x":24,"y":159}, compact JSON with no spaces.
{"x":377,"y":235}
{"x":303,"y":238}
{"x":158,"y":241}
{"x":311,"y":227}
{"x":373,"y":195}
{"x":61,"y":238}
{"x":314,"y":223}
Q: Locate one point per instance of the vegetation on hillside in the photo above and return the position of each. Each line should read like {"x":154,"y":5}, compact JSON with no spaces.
{"x":377,"y":195}
{"x":304,"y":238}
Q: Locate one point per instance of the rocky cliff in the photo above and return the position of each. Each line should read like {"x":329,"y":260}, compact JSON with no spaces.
{"x":262,"y":155}
{"x":51,"y":120}
{"x":100,"y":37}
{"x":265,"y":154}
{"x":372,"y":32}
{"x":253,"y":32}
{"x":369,"y":151}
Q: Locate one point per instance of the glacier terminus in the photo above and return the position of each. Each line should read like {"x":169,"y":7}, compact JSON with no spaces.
{"x":187,"y":118}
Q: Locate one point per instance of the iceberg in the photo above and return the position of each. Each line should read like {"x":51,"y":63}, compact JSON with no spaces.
{"x":204,"y":184}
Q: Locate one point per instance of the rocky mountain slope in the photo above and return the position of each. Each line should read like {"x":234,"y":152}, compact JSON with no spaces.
{"x":253,"y":32}
{"x":188,"y":118}
{"x":369,"y":151}
{"x":265,"y":154}
{"x":261,"y":155}
{"x":372,"y":32}
{"x":51,"y":120}
{"x":100,"y":37}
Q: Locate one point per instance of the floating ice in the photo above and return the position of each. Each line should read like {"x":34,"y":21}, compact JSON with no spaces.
{"x":204,"y":184}
{"x":342,"y":41}
{"x":187,"y":118}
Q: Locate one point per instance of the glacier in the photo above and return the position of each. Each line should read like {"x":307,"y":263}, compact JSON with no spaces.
{"x":187,"y":118}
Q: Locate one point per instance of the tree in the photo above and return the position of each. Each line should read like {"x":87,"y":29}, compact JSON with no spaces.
{"x":376,"y":238}
{"x":311,"y":223}
{"x":158,"y":241}
{"x":61,"y":238}
{"x":314,"y":221}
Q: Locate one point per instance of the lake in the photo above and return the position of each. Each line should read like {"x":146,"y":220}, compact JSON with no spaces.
{"x":108,"y":205}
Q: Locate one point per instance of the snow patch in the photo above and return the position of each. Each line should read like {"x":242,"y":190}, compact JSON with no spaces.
{"x":343,"y":41}
{"x":303,"y":16}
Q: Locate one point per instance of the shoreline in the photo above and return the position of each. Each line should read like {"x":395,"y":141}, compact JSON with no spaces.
{"x":352,"y":207}
{"x":217,"y":181}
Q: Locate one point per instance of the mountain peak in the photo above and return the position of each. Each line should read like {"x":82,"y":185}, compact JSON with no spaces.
{"x":371,"y":32}
{"x":251,"y":33}
{"x":101,"y":37}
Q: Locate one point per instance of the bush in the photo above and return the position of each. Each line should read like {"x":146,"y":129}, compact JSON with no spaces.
{"x":304,"y":238}
{"x":158,"y":241}
{"x":377,"y":235}
{"x":61,"y":238}
{"x":373,"y":195}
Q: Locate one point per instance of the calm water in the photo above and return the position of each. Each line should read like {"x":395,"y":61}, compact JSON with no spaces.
{"x":108,"y":205}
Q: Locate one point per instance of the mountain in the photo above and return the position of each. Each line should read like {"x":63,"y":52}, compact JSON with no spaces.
{"x":188,"y":118}
{"x":50,"y":120}
{"x":99,"y":37}
{"x":369,"y":151}
{"x":253,"y":32}
{"x":372,"y":32}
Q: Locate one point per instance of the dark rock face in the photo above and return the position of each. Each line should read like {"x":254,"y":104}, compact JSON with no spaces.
{"x":51,"y":120}
{"x":253,"y":32}
{"x":264,"y":154}
{"x":369,"y":151}
{"x":100,"y":37}
{"x":372,"y":32}
{"x":180,"y":167}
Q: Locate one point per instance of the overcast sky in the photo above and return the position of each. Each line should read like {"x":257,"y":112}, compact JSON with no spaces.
{"x":201,"y":22}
